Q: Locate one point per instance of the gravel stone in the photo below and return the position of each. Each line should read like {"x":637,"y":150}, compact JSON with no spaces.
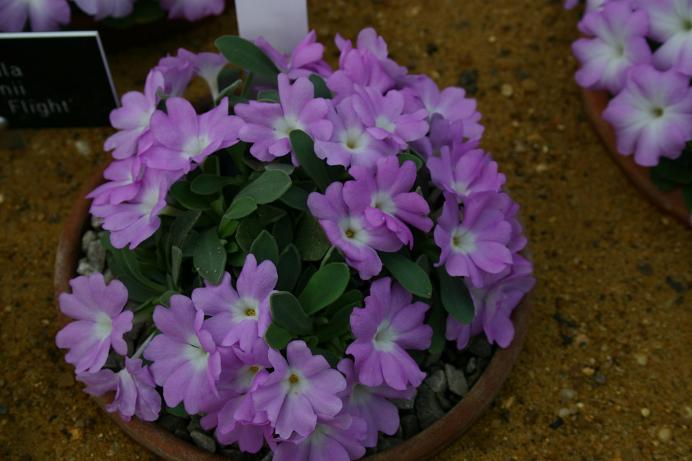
{"x":471,"y":366}
{"x":84,"y":268}
{"x":88,"y":237}
{"x":428,"y":408}
{"x":456,"y":381}
{"x":567,"y":394}
{"x":409,"y":426}
{"x":96,"y":255}
{"x":479,"y":346}
{"x":203,"y":441}
{"x":403,"y":404}
{"x":3,"y":409}
{"x":437,"y":381}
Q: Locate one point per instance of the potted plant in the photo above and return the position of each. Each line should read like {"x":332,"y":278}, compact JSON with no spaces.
{"x":319,"y":266}
{"x":635,"y":74}
{"x":121,"y":23}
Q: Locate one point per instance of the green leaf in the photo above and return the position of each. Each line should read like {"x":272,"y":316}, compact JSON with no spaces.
{"x":246,"y":55}
{"x":311,"y":240}
{"x":321,"y":88}
{"x":270,"y":214}
{"x":182,"y":193}
{"x":437,"y":320}
{"x":229,"y":91}
{"x":687,"y":196}
{"x":303,"y":147}
{"x":178,"y":411}
{"x":268,"y":95}
{"x":288,"y":268}
{"x":409,"y":274}
{"x":455,"y":297}
{"x":212,"y":165}
{"x":339,"y":324}
{"x":268,"y":187}
{"x":288,"y":314}
{"x":207,"y":184}
{"x":240,"y":208}
{"x":247,"y":231}
{"x":296,"y":197}
{"x":408,"y":156}
{"x":264,"y":248}
{"x":182,"y":226}
{"x":209,"y":257}
{"x":325,"y":287}
{"x":285,"y":167}
{"x":176,"y":262}
{"x":277,"y":337}
{"x":678,"y":170}
{"x":282,"y":230}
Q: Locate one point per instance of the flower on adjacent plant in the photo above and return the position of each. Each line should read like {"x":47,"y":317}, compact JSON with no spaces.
{"x":134,"y":387}
{"x":132,"y":222}
{"x":193,"y":10}
{"x":335,"y":439}
{"x":186,"y":360}
{"x":384,"y":193}
{"x":233,"y":412}
{"x":388,"y":325}
{"x":185,"y":139}
{"x":463,"y":169}
{"x":494,"y":304}
{"x":132,"y":119}
{"x":385,"y":118}
{"x":372,"y":404}
{"x":304,"y":60}
{"x":671,"y":25}
{"x":239,"y":315}
{"x":101,"y":9}
{"x":347,"y":229}
{"x":44,"y":15}
{"x":617,"y":42}
{"x":268,"y":124}
{"x":450,"y":103}
{"x":350,"y":143}
{"x":208,"y":66}
{"x":475,"y":242}
{"x":652,"y":116}
{"x":100,"y":322}
{"x":299,"y":391}
{"x":177,"y":72}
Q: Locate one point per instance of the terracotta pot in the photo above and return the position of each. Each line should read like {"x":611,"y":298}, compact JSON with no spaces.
{"x":422,"y":446}
{"x":670,"y":202}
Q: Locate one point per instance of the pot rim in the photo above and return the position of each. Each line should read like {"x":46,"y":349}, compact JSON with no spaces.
{"x":422,"y":446}
{"x":672,"y":202}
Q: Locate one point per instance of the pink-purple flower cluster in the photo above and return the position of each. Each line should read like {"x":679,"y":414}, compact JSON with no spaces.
{"x":411,"y":175}
{"x":640,"y":51}
{"x":47,"y":15}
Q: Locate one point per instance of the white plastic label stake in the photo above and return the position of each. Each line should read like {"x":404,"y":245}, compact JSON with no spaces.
{"x":283,"y":23}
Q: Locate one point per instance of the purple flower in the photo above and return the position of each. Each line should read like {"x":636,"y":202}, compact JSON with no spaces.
{"x":177,"y":72}
{"x":193,"y":10}
{"x":101,"y":9}
{"x":652,"y":116}
{"x":268,"y":125}
{"x":494,"y":305}
{"x":298,"y":391}
{"x":233,"y":413}
{"x":385,"y":118}
{"x":123,"y":182}
{"x":388,"y":325}
{"x":371,"y":404}
{"x":206,"y":65}
{"x":451,"y":103}
{"x":671,"y":25}
{"x":347,"y":230}
{"x":305,"y":59}
{"x":463,"y":169}
{"x":132,"y":119}
{"x":44,"y":15}
{"x":618,"y":43}
{"x":477,"y":242}
{"x":442,"y":135}
{"x":385,"y":196}
{"x":185,"y":139}
{"x":350,"y":143}
{"x":100,"y":322}
{"x":135,"y":390}
{"x":130,"y":223}
{"x":242,"y":316}
{"x":335,"y":439}
{"x":186,"y":362}
{"x":569,"y":4}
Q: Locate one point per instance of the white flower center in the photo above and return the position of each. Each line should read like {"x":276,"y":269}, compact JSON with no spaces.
{"x":385,"y":337}
{"x":103,"y":326}
{"x":284,"y":125}
{"x":196,"y":146}
{"x":353,"y":231}
{"x":463,"y":241}
{"x":295,"y":383}
{"x":196,"y":355}
{"x":354,"y":139}
{"x":460,"y":188}
{"x":150,"y":199}
{"x":245,"y":309}
{"x":383,"y":202}
{"x":384,"y":123}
